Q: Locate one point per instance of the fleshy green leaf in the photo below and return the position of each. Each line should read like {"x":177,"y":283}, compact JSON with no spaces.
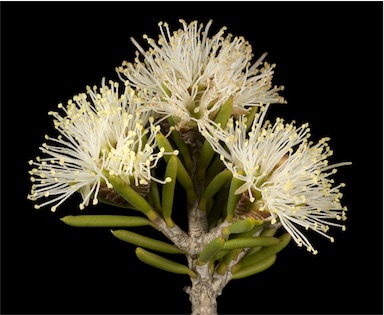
{"x":154,"y":196}
{"x":266,"y":232}
{"x":262,"y":254}
{"x":210,"y":250}
{"x":227,"y":259}
{"x":251,"y":116}
{"x":206,"y":155}
{"x":207,"y":151}
{"x":214,"y":168}
{"x":214,"y":186}
{"x":220,"y":254}
{"x":240,"y":226}
{"x":130,"y":195}
{"x":251,"y":233}
{"x":271,"y":231}
{"x":224,"y":113}
{"x":255,"y":268}
{"x":163,"y":263}
{"x":169,"y":190}
{"x":106,"y":221}
{"x":233,"y":198}
{"x":218,"y":210}
{"x":182,"y":175}
{"x":147,"y":242}
{"x":181,"y":146}
{"x":244,"y":242}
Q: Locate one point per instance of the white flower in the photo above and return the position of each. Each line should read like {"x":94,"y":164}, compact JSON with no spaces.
{"x":284,"y":173}
{"x":100,"y":133}
{"x":189,"y":76}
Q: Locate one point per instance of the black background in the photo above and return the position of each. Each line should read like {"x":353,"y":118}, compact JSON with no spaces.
{"x":329,"y":58}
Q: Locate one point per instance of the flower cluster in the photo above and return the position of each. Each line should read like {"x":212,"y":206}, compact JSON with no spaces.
{"x":285,"y":175}
{"x":188,"y":76}
{"x":101,"y":133}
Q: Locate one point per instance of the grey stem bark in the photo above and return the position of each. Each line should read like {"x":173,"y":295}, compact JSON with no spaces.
{"x":203,"y":293}
{"x":202,"y":298}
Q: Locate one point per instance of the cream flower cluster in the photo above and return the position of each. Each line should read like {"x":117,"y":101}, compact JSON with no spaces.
{"x":283,"y":172}
{"x":101,"y":133}
{"x":189,"y":76}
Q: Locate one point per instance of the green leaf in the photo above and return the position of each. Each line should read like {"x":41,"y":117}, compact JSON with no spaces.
{"x":262,"y":254}
{"x":207,"y":151}
{"x":214,"y":186}
{"x":271,"y":231}
{"x":182,"y":175}
{"x":266,"y":232}
{"x":147,"y":242}
{"x":240,"y":226}
{"x":181,"y":146}
{"x":169,"y":190}
{"x":166,"y":90}
{"x":233,"y":198}
{"x":130,"y":195}
{"x":250,"y":242}
{"x":163,"y":263}
{"x":224,"y":113}
{"x":214,"y":168}
{"x":106,"y":221}
{"x":154,"y":196}
{"x":217,"y":211}
{"x":210,"y":250}
{"x":227,"y":259}
{"x":251,"y":233}
{"x":206,"y":155}
{"x":220,"y":254}
{"x":251,"y":116}
{"x":254,"y":269}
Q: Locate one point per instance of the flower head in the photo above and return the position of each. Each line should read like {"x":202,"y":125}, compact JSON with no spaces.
{"x":189,"y":76}
{"x":100,"y":133}
{"x":286,"y":176}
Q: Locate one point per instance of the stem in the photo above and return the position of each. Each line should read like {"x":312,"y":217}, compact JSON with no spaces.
{"x":203,"y":298}
{"x":205,"y":289}
{"x":202,"y":293}
{"x":175,"y":234}
{"x":197,"y":221}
